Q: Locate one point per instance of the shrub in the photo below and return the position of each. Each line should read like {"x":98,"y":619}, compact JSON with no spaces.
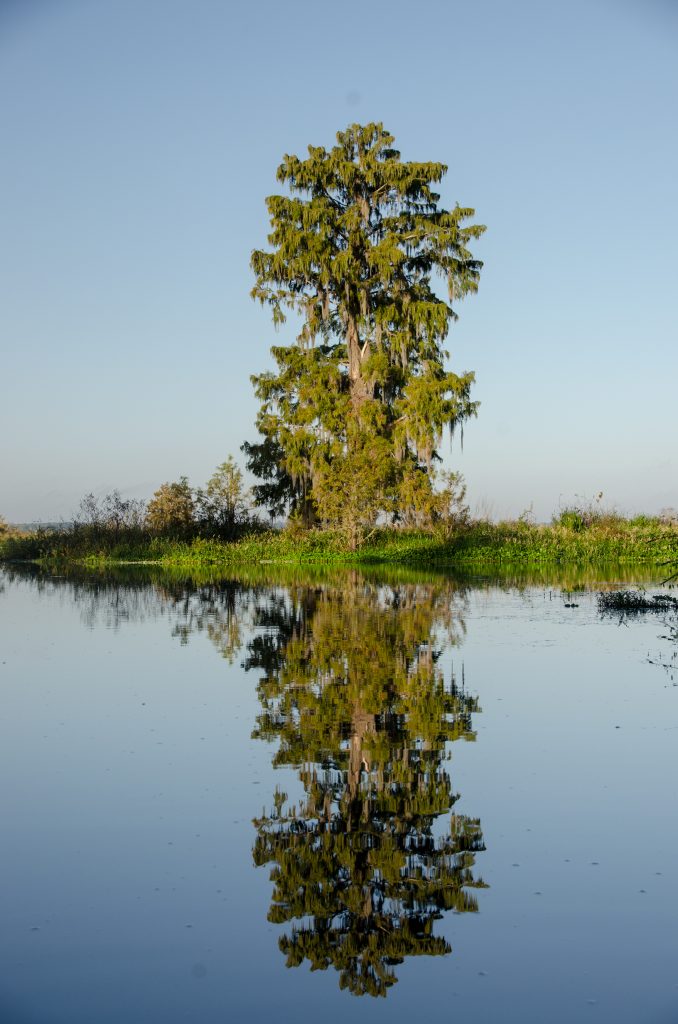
{"x":172,"y":508}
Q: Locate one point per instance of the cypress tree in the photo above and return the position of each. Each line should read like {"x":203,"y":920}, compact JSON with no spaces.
{"x":363,"y":394}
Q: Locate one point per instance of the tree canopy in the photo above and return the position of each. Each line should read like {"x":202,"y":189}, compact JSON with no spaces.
{"x":223,"y":505}
{"x":172,"y":508}
{"x":221,"y":509}
{"x":356,"y":247}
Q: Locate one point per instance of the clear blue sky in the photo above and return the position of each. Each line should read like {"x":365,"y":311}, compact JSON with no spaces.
{"x":140,"y":138}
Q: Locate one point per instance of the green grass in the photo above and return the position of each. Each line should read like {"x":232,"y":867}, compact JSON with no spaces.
{"x":481,"y":545}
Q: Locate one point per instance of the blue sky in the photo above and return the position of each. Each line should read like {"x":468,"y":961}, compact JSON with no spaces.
{"x":139,"y":140}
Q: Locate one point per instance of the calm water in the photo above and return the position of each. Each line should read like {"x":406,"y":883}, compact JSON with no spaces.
{"x":248,"y":801}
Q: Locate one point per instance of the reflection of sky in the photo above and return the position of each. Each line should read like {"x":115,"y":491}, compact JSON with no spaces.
{"x":130,"y":782}
{"x":139,"y":142}
{"x":133,"y":782}
{"x":562,"y":789}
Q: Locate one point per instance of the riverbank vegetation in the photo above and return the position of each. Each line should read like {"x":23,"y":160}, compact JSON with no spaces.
{"x":472,"y":543}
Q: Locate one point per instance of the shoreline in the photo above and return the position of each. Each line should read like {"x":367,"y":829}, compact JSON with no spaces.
{"x":645,"y":542}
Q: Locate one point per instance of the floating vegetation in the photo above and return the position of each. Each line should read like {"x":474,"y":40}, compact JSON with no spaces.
{"x":624,"y":604}
{"x":635,"y":602}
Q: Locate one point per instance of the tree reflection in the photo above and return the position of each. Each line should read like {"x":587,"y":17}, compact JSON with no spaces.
{"x":220,"y":609}
{"x":353,"y":696}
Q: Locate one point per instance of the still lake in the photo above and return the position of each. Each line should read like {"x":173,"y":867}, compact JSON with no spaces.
{"x":286,"y":797}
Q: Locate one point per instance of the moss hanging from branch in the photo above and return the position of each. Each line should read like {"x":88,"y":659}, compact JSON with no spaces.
{"x":354,"y":248}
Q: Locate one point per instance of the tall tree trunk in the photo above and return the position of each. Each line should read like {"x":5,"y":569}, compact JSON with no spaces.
{"x":360,"y":388}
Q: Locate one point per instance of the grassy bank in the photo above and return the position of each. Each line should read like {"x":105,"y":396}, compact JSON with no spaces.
{"x":479,"y":545}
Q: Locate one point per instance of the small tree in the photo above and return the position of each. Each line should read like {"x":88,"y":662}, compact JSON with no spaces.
{"x":451,"y":512}
{"x":223,"y":505}
{"x":172,"y":508}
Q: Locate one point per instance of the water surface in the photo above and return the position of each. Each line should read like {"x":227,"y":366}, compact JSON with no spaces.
{"x":383,"y":795}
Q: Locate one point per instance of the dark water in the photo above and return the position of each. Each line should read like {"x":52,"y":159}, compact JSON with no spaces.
{"x":384,"y":797}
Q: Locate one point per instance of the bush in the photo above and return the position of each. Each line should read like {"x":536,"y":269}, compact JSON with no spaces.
{"x":583,"y":514}
{"x":571,"y":519}
{"x":172,"y":509}
{"x":111,"y":513}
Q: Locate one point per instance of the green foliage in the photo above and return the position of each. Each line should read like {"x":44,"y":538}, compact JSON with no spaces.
{"x":481,"y":545}
{"x":571,"y":519}
{"x":352,"y":489}
{"x":451,"y":514}
{"x":223,"y":506}
{"x":583,"y":513}
{"x":172,"y":508}
{"x":355,"y":249}
{"x":112,"y":528}
{"x":279,"y":492}
{"x":105,"y":523}
{"x":451,"y":540}
{"x":352,"y":695}
{"x":220,"y":510}
{"x":9,"y":535}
